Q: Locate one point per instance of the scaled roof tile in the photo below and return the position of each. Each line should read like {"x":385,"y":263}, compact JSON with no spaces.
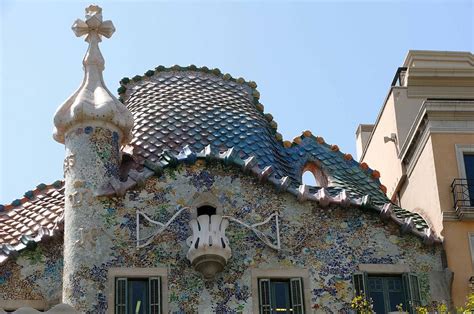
{"x":182,"y":110}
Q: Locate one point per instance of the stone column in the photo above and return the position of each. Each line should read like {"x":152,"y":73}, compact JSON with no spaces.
{"x":93,"y":125}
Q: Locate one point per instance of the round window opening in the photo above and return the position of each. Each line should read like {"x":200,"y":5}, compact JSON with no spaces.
{"x":312,"y":175}
{"x":310,"y":179}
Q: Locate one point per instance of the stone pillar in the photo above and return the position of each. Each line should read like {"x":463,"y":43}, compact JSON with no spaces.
{"x":93,"y":125}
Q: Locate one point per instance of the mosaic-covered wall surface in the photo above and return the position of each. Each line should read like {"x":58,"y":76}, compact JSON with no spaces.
{"x":330,"y":242}
{"x":35,"y":274}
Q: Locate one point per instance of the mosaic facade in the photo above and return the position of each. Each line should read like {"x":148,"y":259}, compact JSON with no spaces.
{"x":35,"y":274}
{"x":95,"y":151}
{"x":330,"y":242}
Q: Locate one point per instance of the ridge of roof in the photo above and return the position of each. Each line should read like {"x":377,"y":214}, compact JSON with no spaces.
{"x":371,"y":173}
{"x":31,"y":195}
{"x":408,"y":221}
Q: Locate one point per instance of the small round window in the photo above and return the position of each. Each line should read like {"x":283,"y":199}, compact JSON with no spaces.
{"x":312,"y":175}
{"x":308,"y":178}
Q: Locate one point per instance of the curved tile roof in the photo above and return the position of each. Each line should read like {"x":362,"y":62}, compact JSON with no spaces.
{"x":183,"y":106}
{"x":185,"y":113}
{"x":31,"y":218}
{"x":173,"y":109}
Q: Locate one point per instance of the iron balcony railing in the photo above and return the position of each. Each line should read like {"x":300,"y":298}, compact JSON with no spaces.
{"x":400,"y":76}
{"x":463,"y":195}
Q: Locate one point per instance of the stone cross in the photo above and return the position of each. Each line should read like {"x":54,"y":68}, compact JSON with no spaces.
{"x":93,"y":27}
{"x":93,"y":24}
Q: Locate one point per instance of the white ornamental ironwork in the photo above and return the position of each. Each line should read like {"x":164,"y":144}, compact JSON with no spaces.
{"x":162,"y":226}
{"x":253,"y":227}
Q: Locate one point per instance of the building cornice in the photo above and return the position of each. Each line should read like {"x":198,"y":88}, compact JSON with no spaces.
{"x":441,"y":74}
{"x":431,"y":59}
{"x":438,"y":116}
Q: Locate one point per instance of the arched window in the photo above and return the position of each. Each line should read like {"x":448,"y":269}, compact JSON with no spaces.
{"x":206,"y":210}
{"x":308,"y":178}
{"x":312,"y":175}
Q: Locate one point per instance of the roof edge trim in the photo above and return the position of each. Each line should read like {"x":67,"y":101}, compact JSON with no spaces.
{"x":31,"y":195}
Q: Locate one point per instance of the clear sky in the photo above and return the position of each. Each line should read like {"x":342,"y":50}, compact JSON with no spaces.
{"x":322,"y":66}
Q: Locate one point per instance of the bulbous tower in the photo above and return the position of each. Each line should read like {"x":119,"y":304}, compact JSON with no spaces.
{"x":93,"y":125}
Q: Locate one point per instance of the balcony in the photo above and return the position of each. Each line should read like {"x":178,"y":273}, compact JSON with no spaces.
{"x":463,"y":196}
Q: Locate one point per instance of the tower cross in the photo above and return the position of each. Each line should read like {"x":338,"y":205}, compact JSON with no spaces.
{"x":93,"y":27}
{"x":93,"y":24}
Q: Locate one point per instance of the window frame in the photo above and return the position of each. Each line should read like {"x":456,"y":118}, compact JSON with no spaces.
{"x":390,"y":270}
{"x":281,"y":273}
{"x":461,"y":150}
{"x":130,"y":273}
{"x":386,"y":289}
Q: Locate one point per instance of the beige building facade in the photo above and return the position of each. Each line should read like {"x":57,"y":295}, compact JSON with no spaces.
{"x":422,"y":142}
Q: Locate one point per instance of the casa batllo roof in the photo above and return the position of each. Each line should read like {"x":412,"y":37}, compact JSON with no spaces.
{"x":182,"y":114}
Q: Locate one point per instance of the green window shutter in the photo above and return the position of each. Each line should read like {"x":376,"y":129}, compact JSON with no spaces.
{"x":359,"y":283}
{"x":296,"y":289}
{"x":412,"y":291}
{"x":154,"y":289}
{"x":264,"y":296}
{"x":121,"y":296}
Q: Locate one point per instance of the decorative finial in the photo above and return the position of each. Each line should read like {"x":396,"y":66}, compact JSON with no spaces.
{"x":93,"y":102}
{"x":93,"y":28}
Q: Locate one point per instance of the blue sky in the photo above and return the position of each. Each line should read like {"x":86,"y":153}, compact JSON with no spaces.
{"x":322,"y":66}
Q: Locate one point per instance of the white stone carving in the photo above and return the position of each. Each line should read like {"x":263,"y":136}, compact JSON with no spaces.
{"x":79,"y":198}
{"x":209,"y":247}
{"x":93,"y":102}
{"x":69,"y":162}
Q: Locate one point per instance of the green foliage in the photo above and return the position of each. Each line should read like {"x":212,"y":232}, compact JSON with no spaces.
{"x":468,"y":306}
{"x":442,"y":308}
{"x":421,"y":310}
{"x":362,"y":305}
{"x":400,"y":307}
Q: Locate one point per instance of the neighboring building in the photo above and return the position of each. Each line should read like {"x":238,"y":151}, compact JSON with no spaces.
{"x":185,"y":199}
{"x":423,"y":144}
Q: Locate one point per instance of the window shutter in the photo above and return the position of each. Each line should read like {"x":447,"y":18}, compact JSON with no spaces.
{"x":154,"y":289}
{"x":296,"y":288}
{"x":264,"y":296}
{"x":412,"y":291}
{"x":359,"y":283}
{"x":121,"y":296}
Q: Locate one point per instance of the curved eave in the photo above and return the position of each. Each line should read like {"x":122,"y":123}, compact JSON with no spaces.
{"x":409,"y":222}
{"x":325,"y":197}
